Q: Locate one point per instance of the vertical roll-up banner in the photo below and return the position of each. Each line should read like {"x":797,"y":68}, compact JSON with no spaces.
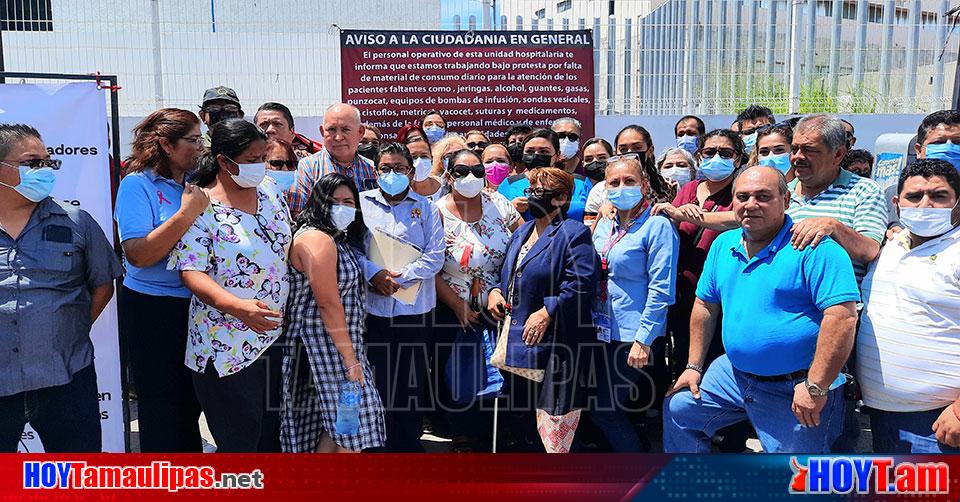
{"x":72,"y":119}
{"x":484,"y":80}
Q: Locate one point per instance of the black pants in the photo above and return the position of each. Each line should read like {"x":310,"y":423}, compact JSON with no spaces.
{"x":398,"y":349}
{"x":67,"y":417}
{"x":154,"y":333}
{"x":243,"y":409}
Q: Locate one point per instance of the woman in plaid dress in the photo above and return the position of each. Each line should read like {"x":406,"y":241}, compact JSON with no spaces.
{"x":325,"y":326}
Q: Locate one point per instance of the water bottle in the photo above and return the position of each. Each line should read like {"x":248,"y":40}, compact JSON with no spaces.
{"x":348,"y":409}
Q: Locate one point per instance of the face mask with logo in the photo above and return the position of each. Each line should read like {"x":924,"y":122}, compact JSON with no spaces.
{"x":688,"y":143}
{"x":393,"y":184}
{"x":434,"y":133}
{"x":496,"y":172}
{"x":748,"y":142}
{"x":35,"y":184}
{"x":342,"y":216}
{"x":535,"y":160}
{"x":469,"y":186}
{"x":716,"y":168}
{"x":927,"y":221}
{"x":421,"y":168}
{"x":778,"y":161}
{"x":569,"y":148}
{"x":625,"y":198}
{"x":596,"y":170}
{"x":948,"y":151}
{"x":249,"y":175}
{"x":680,"y":175}
{"x":516,"y":152}
{"x":283,"y":178}
{"x":369,"y":151}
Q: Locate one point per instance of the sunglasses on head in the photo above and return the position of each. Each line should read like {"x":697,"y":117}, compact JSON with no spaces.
{"x":277,"y":163}
{"x":462,"y":171}
{"x":726,"y":153}
{"x":572,"y":136}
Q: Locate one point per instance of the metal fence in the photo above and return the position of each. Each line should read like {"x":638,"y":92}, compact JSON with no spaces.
{"x":651,"y":57}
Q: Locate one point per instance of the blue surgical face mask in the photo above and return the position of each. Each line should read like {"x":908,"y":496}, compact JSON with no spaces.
{"x":625,"y":198}
{"x":434,"y":133}
{"x":393,"y":184}
{"x":716,"y":168}
{"x":948,"y":151}
{"x":35,"y":184}
{"x":283,"y":178}
{"x":779,"y":161}
{"x":748,"y":142}
{"x":688,"y":143}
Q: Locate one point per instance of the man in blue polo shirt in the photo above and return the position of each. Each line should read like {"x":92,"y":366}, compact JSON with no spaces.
{"x":788,"y":326}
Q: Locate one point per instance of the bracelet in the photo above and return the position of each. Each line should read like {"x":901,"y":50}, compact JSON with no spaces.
{"x":351,"y":367}
{"x":694,"y":367}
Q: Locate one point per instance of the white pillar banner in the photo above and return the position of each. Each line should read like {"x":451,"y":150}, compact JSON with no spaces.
{"x":72,"y":119}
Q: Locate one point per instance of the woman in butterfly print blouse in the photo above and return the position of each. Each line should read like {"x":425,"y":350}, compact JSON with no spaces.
{"x":234,"y":261}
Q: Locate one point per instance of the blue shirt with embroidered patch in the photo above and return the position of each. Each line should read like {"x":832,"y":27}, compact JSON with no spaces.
{"x":773,"y":303}
{"x":144,"y":201}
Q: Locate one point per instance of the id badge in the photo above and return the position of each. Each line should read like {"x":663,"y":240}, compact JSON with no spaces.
{"x":602,"y":324}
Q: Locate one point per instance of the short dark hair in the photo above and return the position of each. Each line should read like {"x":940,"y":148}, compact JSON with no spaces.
{"x":754,"y":112}
{"x":376,"y":131}
{"x":604,"y":143}
{"x":433,"y":112}
{"x":521,"y":129}
{"x":857,"y":155}
{"x":270,"y":106}
{"x":547,"y":134}
{"x":928,"y":168}
{"x":394,"y":148}
{"x":229,"y":138}
{"x":853,"y":130}
{"x":701,"y":127}
{"x":730,"y":135}
{"x":639,"y":129}
{"x":12,"y":134}
{"x":317,"y":212}
{"x":942,"y":117}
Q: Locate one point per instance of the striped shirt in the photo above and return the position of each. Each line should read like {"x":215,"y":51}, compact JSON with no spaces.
{"x":852,"y":200}
{"x":312,"y":168}
{"x":908,"y":349}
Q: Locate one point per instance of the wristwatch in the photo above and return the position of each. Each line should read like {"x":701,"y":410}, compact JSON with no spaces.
{"x":814,"y":389}
{"x":694,"y":367}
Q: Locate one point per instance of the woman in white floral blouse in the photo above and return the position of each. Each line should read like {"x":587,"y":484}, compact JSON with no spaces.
{"x":234,"y":261}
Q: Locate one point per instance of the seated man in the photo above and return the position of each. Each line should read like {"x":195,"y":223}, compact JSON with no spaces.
{"x":908,"y":351}
{"x":788,"y":326}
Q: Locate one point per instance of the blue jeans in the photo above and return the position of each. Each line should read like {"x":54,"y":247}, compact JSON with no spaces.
{"x":902,"y":433}
{"x":728,"y":396}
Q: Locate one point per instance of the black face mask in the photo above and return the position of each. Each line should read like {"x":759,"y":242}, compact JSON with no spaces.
{"x":516,"y":152}
{"x":540,"y":206}
{"x":369,"y":151}
{"x":535,"y":160}
{"x":596,"y":170}
{"x":216,"y":117}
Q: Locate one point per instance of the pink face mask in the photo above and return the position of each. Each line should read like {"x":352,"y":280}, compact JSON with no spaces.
{"x":497,"y":172}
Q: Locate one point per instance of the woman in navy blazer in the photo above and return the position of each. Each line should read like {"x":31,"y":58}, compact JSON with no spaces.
{"x":552,"y":292}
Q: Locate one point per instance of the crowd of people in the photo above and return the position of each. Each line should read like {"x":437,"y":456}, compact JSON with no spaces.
{"x":745,"y":281}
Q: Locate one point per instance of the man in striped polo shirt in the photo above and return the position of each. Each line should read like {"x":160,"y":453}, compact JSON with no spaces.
{"x":908,"y":351}
{"x":826,"y":200}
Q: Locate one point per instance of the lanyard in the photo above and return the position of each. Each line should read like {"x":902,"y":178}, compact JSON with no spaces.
{"x":611,"y":241}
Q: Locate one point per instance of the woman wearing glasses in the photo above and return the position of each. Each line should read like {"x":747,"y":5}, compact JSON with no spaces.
{"x":234,"y":261}
{"x":477,"y":141}
{"x":281,"y":163}
{"x":399,"y":328}
{"x":477,"y":226}
{"x":701,"y":211}
{"x":155,"y":207}
{"x":543,"y":302}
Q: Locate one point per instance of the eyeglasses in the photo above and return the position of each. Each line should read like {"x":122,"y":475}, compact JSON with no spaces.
{"x":538,"y":192}
{"x":463,"y":170}
{"x":221,"y":108}
{"x":726,"y":153}
{"x":572,"y":136}
{"x":623,"y":156}
{"x":473,"y":145}
{"x":281,"y":163}
{"x":397,"y":168}
{"x":194,"y":140}
{"x":37,"y":163}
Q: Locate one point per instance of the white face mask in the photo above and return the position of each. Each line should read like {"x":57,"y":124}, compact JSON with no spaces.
{"x":681,"y":175}
{"x":249,"y":175}
{"x":469,"y":186}
{"x":422,"y":168}
{"x":343,"y":216}
{"x":927,"y":221}
{"x":569,"y":148}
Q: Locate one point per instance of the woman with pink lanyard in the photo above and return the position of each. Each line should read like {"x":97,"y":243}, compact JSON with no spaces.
{"x":638,"y":269}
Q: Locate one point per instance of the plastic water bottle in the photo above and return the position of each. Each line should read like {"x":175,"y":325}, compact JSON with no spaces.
{"x":348,"y":409}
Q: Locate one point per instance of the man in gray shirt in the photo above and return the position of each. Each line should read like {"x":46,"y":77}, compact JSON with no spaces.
{"x":56,"y":276}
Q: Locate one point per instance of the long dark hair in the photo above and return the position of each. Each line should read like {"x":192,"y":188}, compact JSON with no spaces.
{"x":317,"y":212}
{"x":228,"y":138}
